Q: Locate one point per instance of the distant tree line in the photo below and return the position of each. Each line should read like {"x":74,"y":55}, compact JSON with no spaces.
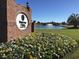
{"x":53,"y":23}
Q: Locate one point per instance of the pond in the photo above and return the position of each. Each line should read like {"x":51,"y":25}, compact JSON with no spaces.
{"x":47,"y":27}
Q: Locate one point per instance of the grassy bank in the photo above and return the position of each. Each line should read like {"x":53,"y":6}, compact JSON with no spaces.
{"x":73,"y":33}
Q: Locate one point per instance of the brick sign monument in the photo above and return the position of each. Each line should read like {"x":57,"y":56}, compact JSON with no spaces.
{"x":15,"y":20}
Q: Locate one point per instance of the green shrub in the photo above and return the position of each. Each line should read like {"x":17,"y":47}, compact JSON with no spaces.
{"x":38,"y":46}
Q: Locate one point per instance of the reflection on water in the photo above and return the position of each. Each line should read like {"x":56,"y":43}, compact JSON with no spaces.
{"x":47,"y":27}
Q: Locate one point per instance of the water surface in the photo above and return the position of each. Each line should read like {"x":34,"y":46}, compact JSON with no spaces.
{"x":47,"y":27}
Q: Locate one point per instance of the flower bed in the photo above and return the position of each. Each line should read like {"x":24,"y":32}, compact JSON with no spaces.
{"x":38,"y":46}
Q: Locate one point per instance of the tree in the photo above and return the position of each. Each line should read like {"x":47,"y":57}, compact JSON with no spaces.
{"x":38,"y":22}
{"x":34,"y":21}
{"x":73,"y":20}
{"x":63,"y":23}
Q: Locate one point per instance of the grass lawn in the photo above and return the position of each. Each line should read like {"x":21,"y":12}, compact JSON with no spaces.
{"x":73,"y":33}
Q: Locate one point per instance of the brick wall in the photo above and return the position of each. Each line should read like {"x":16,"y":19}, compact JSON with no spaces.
{"x":9,"y":13}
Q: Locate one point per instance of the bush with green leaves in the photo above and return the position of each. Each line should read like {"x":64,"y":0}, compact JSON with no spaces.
{"x":38,"y":46}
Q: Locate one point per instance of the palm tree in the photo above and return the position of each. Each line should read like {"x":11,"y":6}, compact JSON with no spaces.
{"x":73,"y":20}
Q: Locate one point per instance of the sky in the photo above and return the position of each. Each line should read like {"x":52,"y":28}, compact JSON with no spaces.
{"x":51,"y":10}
